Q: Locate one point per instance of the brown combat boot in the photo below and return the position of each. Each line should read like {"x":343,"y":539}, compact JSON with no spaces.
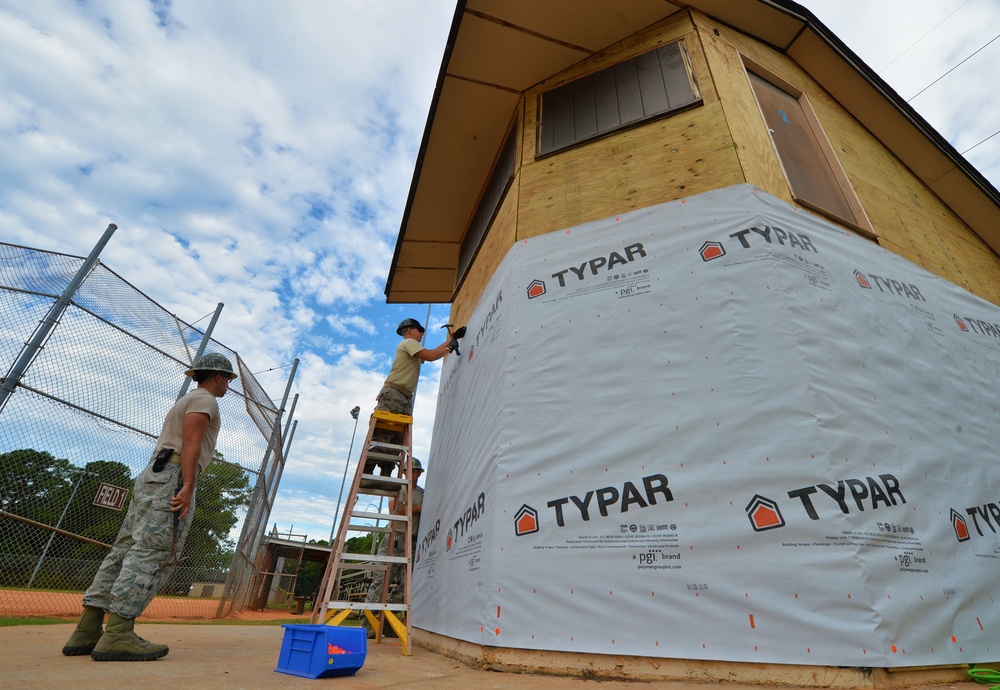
{"x":88,"y":632}
{"x":120,"y":643}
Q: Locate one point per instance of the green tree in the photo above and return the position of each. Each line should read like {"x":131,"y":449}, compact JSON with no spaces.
{"x":51,"y":491}
{"x":34,"y":485}
{"x":87,"y":520}
{"x":310,"y":574}
{"x":42,"y":488}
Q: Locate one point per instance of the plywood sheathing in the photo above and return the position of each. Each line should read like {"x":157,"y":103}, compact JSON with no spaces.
{"x":655,"y":162}
{"x":910,"y":219}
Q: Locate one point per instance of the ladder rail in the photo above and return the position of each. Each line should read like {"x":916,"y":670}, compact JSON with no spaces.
{"x":337,"y":548}
{"x":333,"y":608}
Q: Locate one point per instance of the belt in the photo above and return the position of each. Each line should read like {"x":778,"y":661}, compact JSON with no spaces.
{"x":402,"y":390}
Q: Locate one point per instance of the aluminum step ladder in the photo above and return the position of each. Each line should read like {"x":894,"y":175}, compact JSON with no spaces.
{"x":338,"y":599}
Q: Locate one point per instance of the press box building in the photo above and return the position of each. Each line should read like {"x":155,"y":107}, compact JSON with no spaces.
{"x":725,"y":406}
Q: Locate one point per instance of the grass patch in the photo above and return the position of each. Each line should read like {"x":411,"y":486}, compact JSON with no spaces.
{"x":8,"y":622}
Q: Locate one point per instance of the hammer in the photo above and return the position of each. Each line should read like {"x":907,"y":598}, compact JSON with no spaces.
{"x":174,"y":560}
{"x":459,"y":333}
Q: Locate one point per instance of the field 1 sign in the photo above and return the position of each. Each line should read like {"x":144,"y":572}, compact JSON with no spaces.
{"x":110,"y":496}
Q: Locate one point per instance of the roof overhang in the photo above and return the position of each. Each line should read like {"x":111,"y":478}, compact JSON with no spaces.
{"x":497,"y":49}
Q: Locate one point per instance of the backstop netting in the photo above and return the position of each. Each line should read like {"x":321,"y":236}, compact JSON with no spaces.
{"x":81,"y":424}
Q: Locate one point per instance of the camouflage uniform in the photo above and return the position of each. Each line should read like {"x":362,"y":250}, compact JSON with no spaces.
{"x":136,"y":568}
{"x":397,"y":402}
{"x":392,"y":400}
{"x":396,"y":572}
{"x":133,"y":572}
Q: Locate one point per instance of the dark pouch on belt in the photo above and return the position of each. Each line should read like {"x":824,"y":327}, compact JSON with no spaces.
{"x":162,"y":458}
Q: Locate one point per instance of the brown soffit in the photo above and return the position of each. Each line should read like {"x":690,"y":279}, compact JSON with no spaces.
{"x":497,"y":49}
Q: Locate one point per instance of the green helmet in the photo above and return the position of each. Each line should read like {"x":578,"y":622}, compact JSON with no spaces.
{"x":213,"y":362}
{"x":416,"y":466}
{"x":408,"y":323}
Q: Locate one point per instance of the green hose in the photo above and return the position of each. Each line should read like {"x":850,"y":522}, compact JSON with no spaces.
{"x":986,"y":676}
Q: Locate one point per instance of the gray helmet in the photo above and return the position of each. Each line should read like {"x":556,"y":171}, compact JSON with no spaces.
{"x":408,"y":323}
{"x":213,"y":362}
{"x":416,"y":466}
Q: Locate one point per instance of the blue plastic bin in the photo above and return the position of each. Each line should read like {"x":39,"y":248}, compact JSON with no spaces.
{"x":305,"y":651}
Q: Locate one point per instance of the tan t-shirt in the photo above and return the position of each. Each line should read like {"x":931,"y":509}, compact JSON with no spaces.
{"x":172,"y":433}
{"x":406,"y":368}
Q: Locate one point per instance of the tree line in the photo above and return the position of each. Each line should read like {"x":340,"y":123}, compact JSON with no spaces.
{"x":50,"y":491}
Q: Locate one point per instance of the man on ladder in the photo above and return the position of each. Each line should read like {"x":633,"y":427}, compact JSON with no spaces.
{"x":388,"y":446}
{"x":397,"y":392}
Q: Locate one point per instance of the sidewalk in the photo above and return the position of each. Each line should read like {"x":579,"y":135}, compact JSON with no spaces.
{"x":231,"y":656}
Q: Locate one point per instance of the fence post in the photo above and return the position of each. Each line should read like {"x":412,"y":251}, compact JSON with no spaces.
{"x":202,"y":346}
{"x":283,"y":458}
{"x":251,"y":535}
{"x":51,"y":320}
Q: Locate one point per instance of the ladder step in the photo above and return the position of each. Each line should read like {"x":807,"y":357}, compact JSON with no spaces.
{"x":398,"y":481}
{"x":367,"y":567}
{"x":392,"y":417}
{"x":378,"y":516}
{"x":377,"y":558}
{"x":352,"y":527}
{"x":376,"y":443}
{"x":374,"y":491}
{"x":366,"y":605}
{"x":391,"y":457}
{"x":382,"y":483}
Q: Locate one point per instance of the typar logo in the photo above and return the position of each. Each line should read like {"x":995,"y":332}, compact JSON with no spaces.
{"x":890,"y":286}
{"x":589,"y":268}
{"x":711,"y":250}
{"x":764,"y":514}
{"x":986,"y":515}
{"x":525,"y":521}
{"x":969,"y":324}
{"x":451,"y":540}
{"x":757,"y":237}
{"x":960,"y":526}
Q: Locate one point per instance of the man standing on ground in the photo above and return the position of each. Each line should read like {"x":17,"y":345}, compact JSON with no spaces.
{"x":161,"y":511}
{"x":398,"y":507}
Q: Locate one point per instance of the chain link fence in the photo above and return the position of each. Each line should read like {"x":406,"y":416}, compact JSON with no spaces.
{"x":81,"y":424}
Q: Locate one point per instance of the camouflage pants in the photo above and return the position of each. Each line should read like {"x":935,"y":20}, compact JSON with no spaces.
{"x":396,"y":574}
{"x":396,"y":577}
{"x":132,"y":574}
{"x":390,"y":400}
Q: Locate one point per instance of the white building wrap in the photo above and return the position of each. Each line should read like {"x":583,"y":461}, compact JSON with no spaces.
{"x":719,"y":428}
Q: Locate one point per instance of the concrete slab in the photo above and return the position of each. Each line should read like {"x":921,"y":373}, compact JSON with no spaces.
{"x":235,"y":656}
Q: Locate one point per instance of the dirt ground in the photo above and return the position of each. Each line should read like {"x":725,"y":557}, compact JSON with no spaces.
{"x":19,"y":604}
{"x":238,"y":656}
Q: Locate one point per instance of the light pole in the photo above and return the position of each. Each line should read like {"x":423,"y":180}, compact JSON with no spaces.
{"x":333,"y":530}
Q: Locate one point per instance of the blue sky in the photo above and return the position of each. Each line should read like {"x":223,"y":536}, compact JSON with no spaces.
{"x":260,"y":154}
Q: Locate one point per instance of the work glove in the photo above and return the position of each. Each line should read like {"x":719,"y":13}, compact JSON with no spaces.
{"x":460,"y":333}
{"x":452,"y":345}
